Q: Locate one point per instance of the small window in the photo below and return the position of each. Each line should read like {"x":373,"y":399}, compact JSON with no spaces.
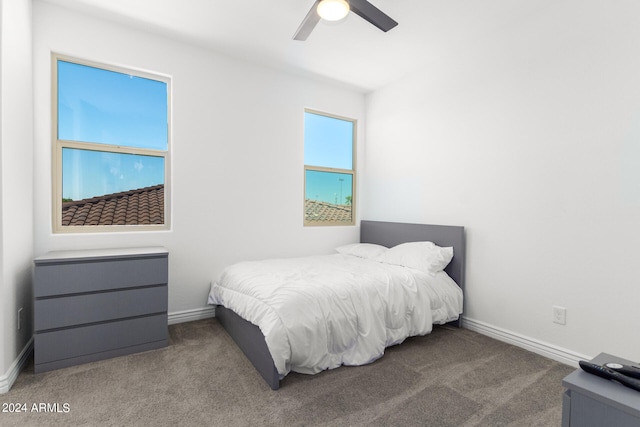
{"x":111,"y":148}
{"x":329,"y":171}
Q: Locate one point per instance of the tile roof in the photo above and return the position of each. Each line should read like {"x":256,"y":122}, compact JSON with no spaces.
{"x":134,"y":207}
{"x":316,"y":211}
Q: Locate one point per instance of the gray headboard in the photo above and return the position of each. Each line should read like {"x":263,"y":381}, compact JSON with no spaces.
{"x":393,"y":233}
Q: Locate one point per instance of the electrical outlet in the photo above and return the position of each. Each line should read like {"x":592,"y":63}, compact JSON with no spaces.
{"x":559,"y":315}
{"x":19,"y":317}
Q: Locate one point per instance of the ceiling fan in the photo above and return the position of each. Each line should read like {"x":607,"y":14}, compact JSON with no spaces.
{"x":334,"y":10}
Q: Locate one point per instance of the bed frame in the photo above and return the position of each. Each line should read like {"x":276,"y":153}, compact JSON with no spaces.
{"x":251,"y":340}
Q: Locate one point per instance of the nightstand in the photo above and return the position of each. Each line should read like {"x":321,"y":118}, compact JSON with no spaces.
{"x":593,"y":401}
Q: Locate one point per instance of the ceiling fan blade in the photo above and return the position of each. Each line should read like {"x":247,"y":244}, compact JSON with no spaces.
{"x":372,"y":14}
{"x":308,"y":23}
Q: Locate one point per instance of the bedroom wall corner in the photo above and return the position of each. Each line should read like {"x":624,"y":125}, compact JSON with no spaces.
{"x":16,"y":181}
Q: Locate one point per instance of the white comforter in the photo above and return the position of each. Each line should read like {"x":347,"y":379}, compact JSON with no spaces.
{"x":321,"y":312}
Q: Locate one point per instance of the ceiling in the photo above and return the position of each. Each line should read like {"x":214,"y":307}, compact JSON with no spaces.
{"x":351,"y":51}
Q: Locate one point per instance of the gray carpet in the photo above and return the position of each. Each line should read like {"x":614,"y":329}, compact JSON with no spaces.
{"x":452,"y":377}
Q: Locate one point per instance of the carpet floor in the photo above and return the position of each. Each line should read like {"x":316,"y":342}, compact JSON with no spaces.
{"x":452,"y":377}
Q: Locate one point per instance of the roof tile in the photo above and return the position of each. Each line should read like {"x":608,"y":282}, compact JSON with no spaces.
{"x":317,"y":211}
{"x":140,"y":206}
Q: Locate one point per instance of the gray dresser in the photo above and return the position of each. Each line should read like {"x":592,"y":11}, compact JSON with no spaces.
{"x":96,"y":304}
{"x":591,"y":401}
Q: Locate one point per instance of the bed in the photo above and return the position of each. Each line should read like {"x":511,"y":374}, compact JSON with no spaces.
{"x":257,"y":343}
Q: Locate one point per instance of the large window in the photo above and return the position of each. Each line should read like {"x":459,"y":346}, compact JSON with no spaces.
{"x":329,"y":171}
{"x":111,"y":148}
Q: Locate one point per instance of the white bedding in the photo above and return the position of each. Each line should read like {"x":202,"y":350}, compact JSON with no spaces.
{"x":321,"y":312}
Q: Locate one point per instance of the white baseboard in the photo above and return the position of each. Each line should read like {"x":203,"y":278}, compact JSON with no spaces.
{"x":191,"y":315}
{"x":7,"y":380}
{"x":539,"y":347}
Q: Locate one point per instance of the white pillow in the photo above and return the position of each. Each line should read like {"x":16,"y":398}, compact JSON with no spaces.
{"x":423,"y":256}
{"x":362,"y":250}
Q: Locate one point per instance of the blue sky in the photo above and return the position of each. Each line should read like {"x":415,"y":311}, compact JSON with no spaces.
{"x":87,"y":174}
{"x":328,"y":186}
{"x":328,"y":142}
{"x":107,"y":107}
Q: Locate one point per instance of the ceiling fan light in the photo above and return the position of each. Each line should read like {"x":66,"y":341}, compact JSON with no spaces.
{"x":333,"y":10}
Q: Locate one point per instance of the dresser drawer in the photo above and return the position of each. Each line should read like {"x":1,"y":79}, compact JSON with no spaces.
{"x":51,"y":313}
{"x":85,"y":340}
{"x":96,"y":304}
{"x":59,"y":278}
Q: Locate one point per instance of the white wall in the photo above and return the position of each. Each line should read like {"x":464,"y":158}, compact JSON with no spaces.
{"x":530,"y":138}
{"x":16,"y":179}
{"x":237,"y":151}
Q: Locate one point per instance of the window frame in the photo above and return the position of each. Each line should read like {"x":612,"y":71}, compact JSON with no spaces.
{"x":352,"y":172}
{"x":59,"y":144}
